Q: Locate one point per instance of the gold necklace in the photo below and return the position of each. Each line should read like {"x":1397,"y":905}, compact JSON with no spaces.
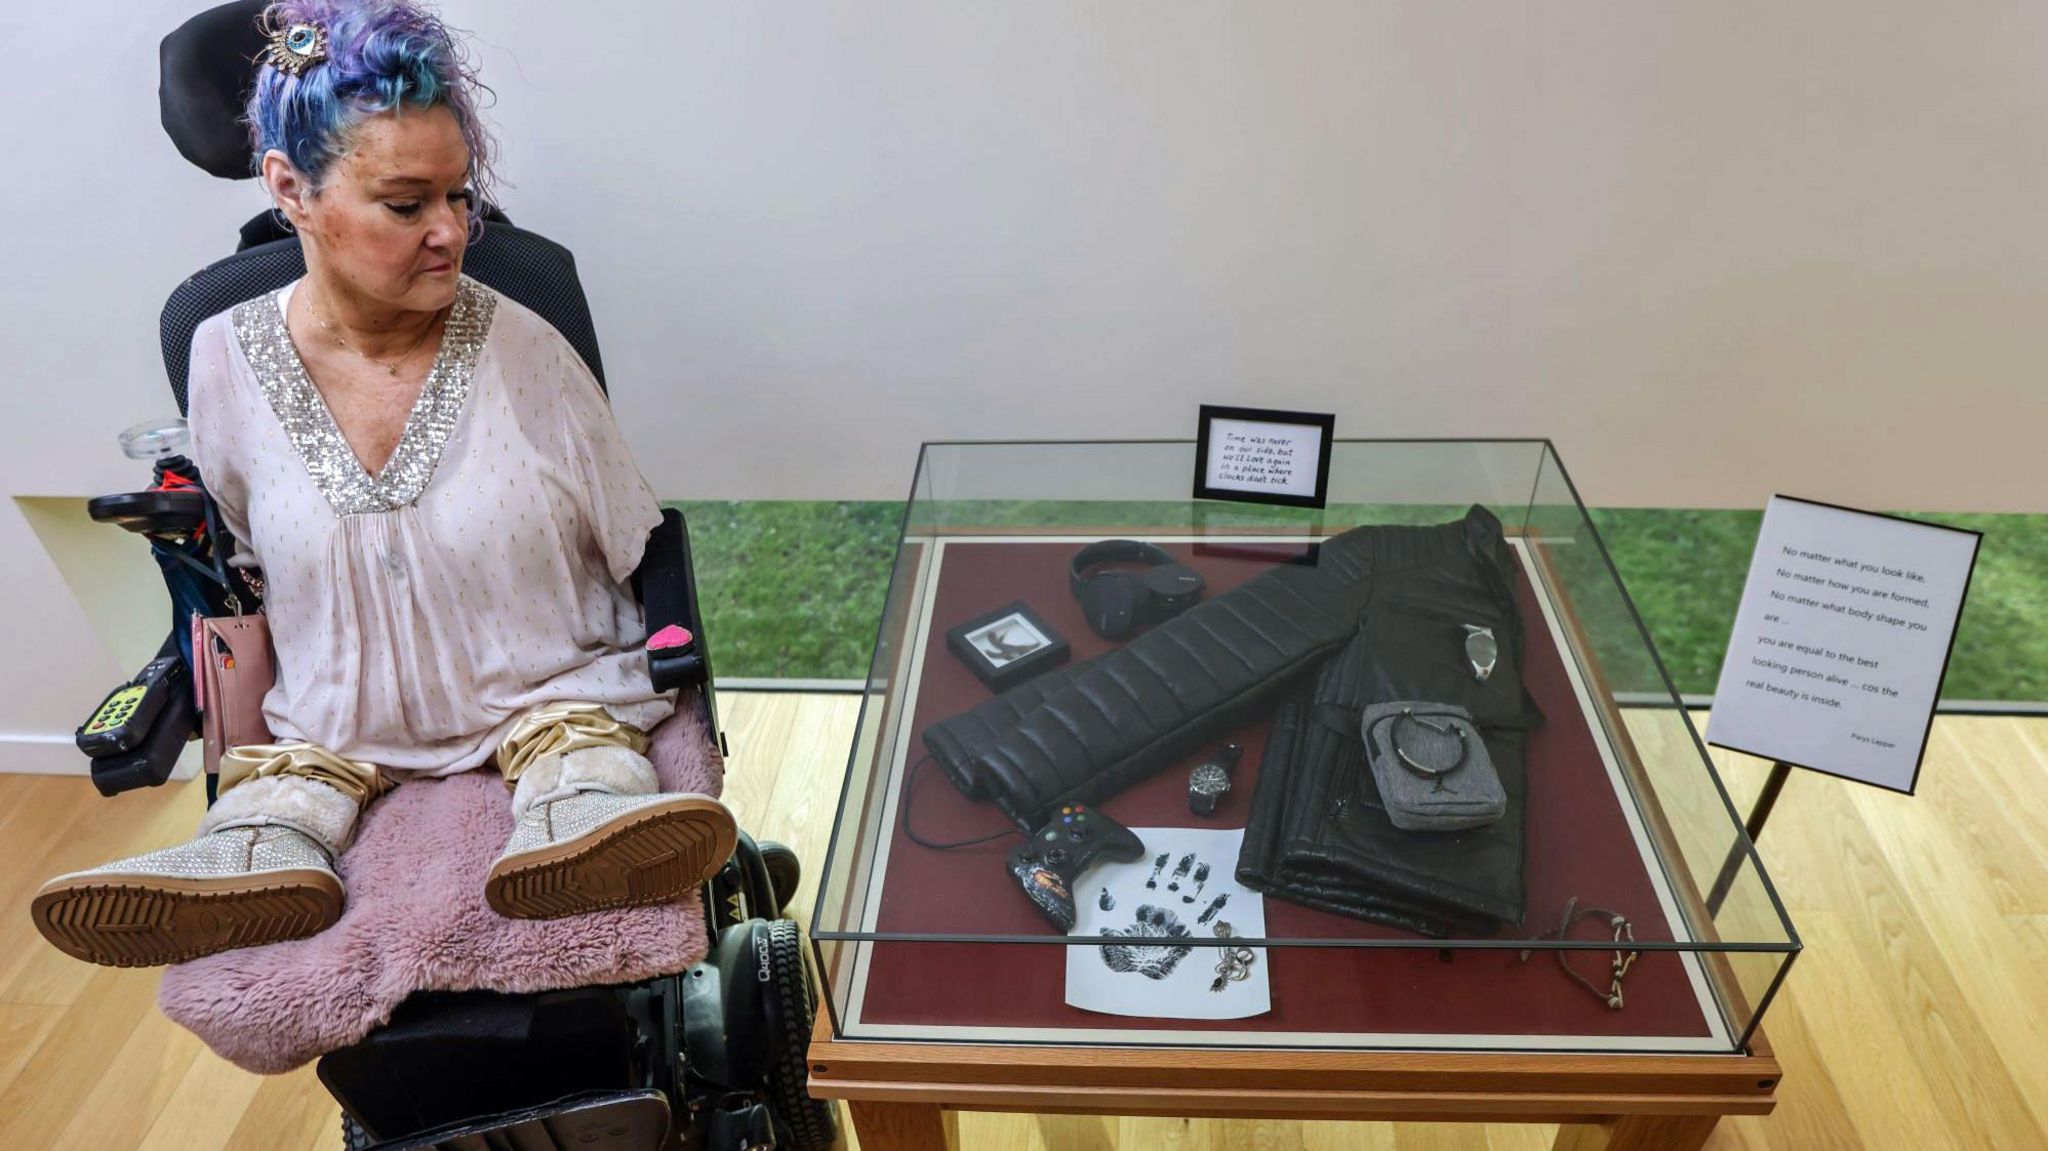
{"x":390,"y":368}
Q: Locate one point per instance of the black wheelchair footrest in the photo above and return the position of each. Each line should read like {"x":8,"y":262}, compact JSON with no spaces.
{"x":596,"y":1121}
{"x":483,"y":1053}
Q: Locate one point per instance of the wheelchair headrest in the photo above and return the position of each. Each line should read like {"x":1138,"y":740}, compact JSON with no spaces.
{"x":208,"y":66}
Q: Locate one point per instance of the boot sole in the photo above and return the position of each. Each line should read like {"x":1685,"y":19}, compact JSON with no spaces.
{"x":152,"y":920}
{"x":654,"y":855}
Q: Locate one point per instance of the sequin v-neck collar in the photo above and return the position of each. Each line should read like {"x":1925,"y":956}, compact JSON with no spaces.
{"x":301,"y":410}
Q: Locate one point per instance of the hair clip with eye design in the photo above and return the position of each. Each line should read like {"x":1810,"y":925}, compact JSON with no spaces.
{"x":297,"y":47}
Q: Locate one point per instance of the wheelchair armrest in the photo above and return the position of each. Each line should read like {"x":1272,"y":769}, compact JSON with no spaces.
{"x":677,"y":655}
{"x":174,"y":513}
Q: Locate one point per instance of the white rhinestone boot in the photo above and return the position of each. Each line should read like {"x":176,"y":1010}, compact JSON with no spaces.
{"x":592,"y":834}
{"x":261,"y":870}
{"x":233,"y":888}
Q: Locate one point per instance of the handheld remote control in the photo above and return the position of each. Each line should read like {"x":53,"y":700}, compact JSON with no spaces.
{"x":123,"y":719}
{"x":1048,"y":862}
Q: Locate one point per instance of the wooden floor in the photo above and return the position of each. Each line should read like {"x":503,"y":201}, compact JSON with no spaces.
{"x":1917,"y":1019}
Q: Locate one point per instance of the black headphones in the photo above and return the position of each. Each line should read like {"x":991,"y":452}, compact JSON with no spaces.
{"x":1117,"y":602}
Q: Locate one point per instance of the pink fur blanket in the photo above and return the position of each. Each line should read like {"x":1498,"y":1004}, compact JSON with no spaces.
{"x":416,"y":921}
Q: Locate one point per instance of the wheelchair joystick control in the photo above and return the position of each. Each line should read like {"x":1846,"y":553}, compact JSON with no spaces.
{"x":1047,"y":863}
{"x":156,"y":439}
{"x":173,"y":507}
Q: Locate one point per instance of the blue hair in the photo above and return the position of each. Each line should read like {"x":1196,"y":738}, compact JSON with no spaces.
{"x":381,"y":55}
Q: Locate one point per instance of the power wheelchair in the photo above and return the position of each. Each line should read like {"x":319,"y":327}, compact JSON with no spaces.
{"x":708,"y":1059}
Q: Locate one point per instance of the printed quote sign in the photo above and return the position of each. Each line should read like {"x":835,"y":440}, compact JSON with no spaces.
{"x":1842,"y":640}
{"x":1263,"y":457}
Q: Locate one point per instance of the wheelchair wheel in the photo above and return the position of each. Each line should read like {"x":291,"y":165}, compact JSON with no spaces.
{"x":353,"y":1137}
{"x":802,"y":1123}
{"x":785,"y":872}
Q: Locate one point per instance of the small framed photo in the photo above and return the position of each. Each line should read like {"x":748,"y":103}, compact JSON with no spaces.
{"x":1007,"y":646}
{"x":1261,"y":456}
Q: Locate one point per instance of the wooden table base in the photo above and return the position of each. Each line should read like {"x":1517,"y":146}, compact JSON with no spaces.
{"x":905,"y":1126}
{"x":1638,"y":1133}
{"x":902,"y":1094}
{"x":930,"y":1127}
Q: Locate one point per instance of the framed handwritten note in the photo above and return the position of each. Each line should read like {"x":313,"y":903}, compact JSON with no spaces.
{"x":1254,"y":455}
{"x":1842,"y":640}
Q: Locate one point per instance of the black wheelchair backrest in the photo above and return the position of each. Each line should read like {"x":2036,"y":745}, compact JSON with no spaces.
{"x":520,"y":265}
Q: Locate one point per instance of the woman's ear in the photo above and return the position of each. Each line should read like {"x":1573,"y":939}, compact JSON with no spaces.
{"x":289,"y":188}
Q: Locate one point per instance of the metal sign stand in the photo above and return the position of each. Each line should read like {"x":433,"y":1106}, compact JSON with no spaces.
{"x":1755,"y":827}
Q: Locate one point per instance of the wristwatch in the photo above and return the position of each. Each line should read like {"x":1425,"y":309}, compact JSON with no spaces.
{"x":1481,"y":649}
{"x":1210,"y":781}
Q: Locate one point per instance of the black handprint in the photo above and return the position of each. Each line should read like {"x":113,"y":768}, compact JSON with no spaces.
{"x":1156,"y":948}
{"x":1158,"y":865}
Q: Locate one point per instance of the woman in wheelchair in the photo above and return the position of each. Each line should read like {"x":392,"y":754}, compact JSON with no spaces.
{"x":444,"y":514}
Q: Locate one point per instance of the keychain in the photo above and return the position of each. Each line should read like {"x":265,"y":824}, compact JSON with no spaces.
{"x":1235,"y":966}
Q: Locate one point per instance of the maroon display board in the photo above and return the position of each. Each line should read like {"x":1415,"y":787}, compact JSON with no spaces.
{"x":1579,"y":843}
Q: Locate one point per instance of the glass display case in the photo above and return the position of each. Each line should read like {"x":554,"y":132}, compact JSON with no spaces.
{"x":1403,"y":772}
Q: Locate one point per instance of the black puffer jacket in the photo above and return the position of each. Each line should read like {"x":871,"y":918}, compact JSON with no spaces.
{"x":1091,"y":729}
{"x":1318,"y":834}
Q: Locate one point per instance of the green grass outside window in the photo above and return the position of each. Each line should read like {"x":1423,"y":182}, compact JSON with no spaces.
{"x":793,"y":589}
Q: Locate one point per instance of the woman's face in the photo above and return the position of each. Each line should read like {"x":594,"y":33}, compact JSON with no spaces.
{"x":392,"y":219}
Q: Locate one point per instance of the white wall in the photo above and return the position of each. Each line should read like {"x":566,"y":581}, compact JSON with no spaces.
{"x":1713,"y":250}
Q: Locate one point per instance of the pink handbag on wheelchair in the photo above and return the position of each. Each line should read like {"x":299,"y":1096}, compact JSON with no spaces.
{"x":235,"y":670}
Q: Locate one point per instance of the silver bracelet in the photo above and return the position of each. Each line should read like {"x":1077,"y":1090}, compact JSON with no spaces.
{"x":1423,"y":769}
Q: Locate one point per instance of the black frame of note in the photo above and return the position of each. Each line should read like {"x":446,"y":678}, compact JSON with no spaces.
{"x":1324,"y":423}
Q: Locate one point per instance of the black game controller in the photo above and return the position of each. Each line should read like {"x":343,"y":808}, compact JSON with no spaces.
{"x":1055,"y":855}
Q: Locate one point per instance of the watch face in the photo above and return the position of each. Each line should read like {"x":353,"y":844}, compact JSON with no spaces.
{"x":1482,"y":649}
{"x":1209,"y":779}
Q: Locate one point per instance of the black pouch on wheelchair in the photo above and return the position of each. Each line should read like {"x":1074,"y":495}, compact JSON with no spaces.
{"x":136,"y":736}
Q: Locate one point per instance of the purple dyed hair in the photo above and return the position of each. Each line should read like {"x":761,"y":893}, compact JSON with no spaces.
{"x":381,"y":55}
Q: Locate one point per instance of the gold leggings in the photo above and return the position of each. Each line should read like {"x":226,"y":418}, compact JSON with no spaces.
{"x":549,"y":729}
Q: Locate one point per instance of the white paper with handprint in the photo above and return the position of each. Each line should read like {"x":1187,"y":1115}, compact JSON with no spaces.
{"x":1185,"y":886}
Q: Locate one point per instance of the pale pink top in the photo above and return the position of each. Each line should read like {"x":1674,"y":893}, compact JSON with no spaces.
{"x":418,"y":612}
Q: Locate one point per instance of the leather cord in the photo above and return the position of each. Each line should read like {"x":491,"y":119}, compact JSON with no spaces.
{"x":910,"y":793}
{"x":1624,"y":933}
